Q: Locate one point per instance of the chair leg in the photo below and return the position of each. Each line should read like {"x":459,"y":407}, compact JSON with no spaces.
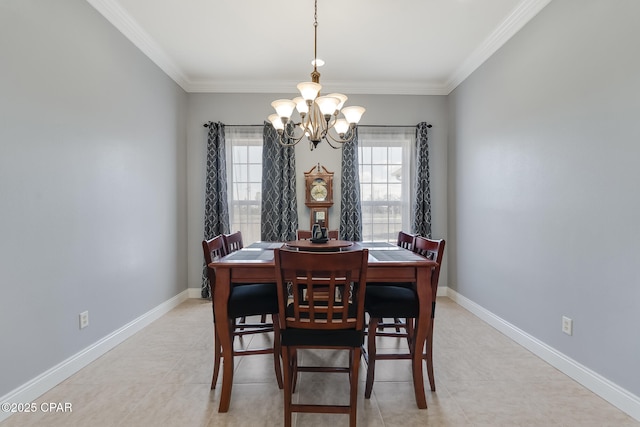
{"x":294,"y":369}
{"x":397,"y":321}
{"x":371,"y":354}
{"x":409,"y":326}
{"x":288,"y":386}
{"x":217,"y":353}
{"x":354,"y":363}
{"x":417,"y":356}
{"x":276,"y":349}
{"x":432,"y":381}
{"x":350,"y":364}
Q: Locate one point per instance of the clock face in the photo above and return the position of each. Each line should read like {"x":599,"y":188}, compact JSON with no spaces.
{"x":318,"y":192}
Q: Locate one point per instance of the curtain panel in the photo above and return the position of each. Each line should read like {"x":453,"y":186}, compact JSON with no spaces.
{"x":279,"y":212}
{"x":422,"y":204}
{"x":216,"y":202}
{"x":350,"y":208}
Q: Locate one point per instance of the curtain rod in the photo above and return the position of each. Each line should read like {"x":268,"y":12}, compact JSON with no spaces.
{"x":361,"y":126}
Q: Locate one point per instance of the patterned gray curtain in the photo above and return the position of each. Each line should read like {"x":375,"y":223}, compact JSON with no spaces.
{"x":279,"y":215}
{"x":350,"y":208}
{"x":216,"y":203}
{"x":422,"y":204}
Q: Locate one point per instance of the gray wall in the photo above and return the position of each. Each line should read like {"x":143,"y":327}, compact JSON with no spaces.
{"x":92,"y":184}
{"x":543,"y":183}
{"x":102,"y":168}
{"x":244,"y":109}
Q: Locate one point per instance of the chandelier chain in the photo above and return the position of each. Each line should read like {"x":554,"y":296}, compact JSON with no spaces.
{"x":315,"y":34}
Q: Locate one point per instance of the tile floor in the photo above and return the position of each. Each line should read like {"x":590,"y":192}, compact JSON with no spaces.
{"x":161,"y":377}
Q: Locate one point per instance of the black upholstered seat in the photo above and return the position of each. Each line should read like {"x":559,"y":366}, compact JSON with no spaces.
{"x":391,"y":301}
{"x":248,"y":300}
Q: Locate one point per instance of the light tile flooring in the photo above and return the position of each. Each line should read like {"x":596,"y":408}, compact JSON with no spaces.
{"x":161,"y":377}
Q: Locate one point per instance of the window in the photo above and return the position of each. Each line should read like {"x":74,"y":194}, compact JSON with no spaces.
{"x":244,"y":169}
{"x":385,"y":181}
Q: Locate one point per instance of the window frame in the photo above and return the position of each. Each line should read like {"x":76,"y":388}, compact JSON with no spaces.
{"x":237,"y":137}
{"x":376,"y":137}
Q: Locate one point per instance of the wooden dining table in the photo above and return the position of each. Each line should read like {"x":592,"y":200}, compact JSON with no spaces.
{"x":388,"y":263}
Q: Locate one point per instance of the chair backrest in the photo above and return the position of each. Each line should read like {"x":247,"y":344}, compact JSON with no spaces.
{"x":306,"y":234}
{"x":233,"y":242}
{"x":303,"y":234}
{"x":213,"y":250}
{"x":434,"y":250}
{"x":321,"y":290}
{"x":405,"y":240}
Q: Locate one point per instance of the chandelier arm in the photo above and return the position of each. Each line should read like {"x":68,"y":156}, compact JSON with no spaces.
{"x":306,"y":127}
{"x":289,"y":144}
{"x":335,"y":147}
{"x":289,"y":136}
{"x":332,"y":121}
{"x":348,"y":137}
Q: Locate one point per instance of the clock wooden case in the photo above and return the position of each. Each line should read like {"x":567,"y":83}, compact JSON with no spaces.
{"x":319,"y":194}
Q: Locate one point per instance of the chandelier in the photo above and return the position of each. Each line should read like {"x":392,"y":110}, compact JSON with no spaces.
{"x":319,"y":115}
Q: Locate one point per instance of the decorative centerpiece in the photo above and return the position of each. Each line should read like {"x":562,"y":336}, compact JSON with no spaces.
{"x":319,"y":234}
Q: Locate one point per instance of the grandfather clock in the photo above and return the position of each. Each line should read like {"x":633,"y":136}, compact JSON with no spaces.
{"x":319,"y":194}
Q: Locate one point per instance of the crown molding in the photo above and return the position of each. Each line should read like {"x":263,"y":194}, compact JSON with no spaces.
{"x":129,"y":27}
{"x":117,"y":16}
{"x":362,"y":88}
{"x":507,"y":29}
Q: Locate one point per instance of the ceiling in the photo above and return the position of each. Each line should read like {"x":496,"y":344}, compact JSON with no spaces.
{"x":419,"y":47}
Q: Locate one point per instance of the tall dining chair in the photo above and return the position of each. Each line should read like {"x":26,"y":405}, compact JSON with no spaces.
{"x":244,"y":300}
{"x":306,"y":234}
{"x":401,"y":301}
{"x":406,"y":240}
{"x":321,"y":306}
{"x":234,"y":242}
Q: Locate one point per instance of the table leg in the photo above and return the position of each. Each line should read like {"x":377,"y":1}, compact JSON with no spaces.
{"x":221,"y":298}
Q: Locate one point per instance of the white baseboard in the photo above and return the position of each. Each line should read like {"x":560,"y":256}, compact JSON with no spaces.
{"x":442,"y":291}
{"x":44,"y":382}
{"x":194,"y":293}
{"x":609,"y":391}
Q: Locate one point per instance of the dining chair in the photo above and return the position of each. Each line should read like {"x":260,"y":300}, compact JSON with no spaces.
{"x":234,"y":242}
{"x":245,"y":300}
{"x":400,"y":301}
{"x":321,"y":306}
{"x":306,"y":234}
{"x":406,"y":240}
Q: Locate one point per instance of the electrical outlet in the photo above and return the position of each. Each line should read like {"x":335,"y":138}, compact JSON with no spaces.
{"x":84,"y":319}
{"x":567,"y":325}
